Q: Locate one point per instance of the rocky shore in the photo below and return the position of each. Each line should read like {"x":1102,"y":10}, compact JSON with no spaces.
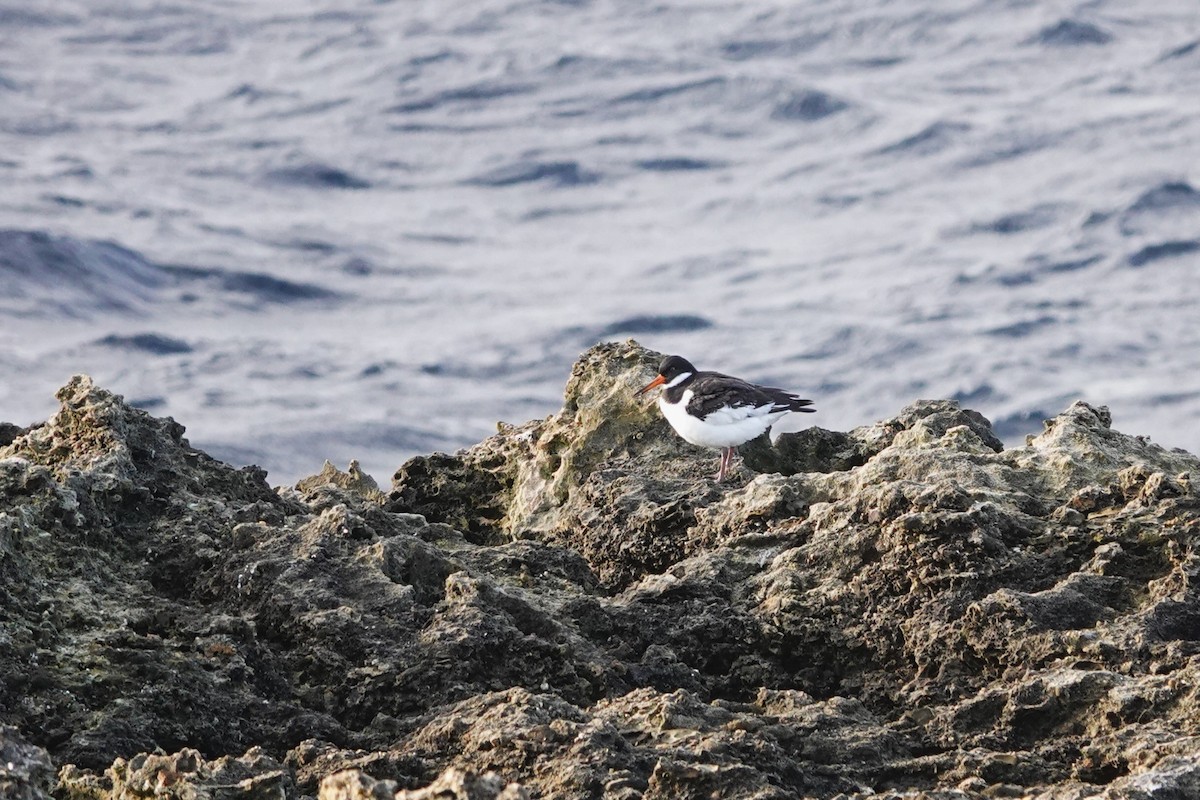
{"x":573,"y":609}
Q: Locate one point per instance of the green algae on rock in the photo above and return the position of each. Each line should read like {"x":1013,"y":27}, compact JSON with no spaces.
{"x":523,"y":476}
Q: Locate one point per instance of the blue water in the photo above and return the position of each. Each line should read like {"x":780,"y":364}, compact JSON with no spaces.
{"x":371,"y":229}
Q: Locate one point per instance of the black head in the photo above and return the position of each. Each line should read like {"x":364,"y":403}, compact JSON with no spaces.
{"x":674,"y":366}
{"x":670,"y":369}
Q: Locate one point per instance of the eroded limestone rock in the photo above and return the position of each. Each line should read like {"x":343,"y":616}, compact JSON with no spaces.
{"x":573,"y":608}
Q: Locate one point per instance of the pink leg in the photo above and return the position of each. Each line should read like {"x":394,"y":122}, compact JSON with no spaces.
{"x":726,"y":461}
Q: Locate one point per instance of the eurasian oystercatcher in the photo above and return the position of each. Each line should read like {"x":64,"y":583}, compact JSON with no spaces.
{"x":714,"y":410}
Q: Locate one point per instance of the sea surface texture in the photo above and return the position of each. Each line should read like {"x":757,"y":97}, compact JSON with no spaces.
{"x":335,"y":230}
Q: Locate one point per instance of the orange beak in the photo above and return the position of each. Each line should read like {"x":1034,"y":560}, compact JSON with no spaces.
{"x":658,"y":381}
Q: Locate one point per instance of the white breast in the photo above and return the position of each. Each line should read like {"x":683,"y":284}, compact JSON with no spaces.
{"x":727,"y":427}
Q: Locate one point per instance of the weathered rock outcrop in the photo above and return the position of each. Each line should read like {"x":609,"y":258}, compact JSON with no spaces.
{"x":573,"y":609}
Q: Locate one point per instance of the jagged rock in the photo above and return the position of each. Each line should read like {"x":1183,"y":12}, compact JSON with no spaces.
{"x":107,"y":518}
{"x":522,"y":477}
{"x":352,"y":480}
{"x":355,"y":785}
{"x":608,"y":477}
{"x":573,"y":608}
{"x":811,"y":450}
{"x":453,"y":784}
{"x":25,"y":769}
{"x":9,"y":432}
{"x":818,"y":450}
{"x":187,"y":774}
{"x":470,"y":491}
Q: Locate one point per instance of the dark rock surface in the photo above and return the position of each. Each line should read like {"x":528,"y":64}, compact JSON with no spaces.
{"x":26,"y":772}
{"x":572,"y":609}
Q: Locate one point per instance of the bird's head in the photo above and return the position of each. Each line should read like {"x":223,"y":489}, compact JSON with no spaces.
{"x":673,"y":371}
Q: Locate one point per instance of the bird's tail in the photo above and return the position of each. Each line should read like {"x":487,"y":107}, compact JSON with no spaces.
{"x":790,"y":401}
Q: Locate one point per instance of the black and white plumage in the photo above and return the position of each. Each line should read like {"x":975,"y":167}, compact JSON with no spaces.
{"x":714,"y":410}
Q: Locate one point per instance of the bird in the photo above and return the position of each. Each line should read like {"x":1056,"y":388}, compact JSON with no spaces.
{"x":710,"y":409}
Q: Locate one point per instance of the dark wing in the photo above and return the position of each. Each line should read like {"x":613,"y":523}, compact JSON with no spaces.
{"x":722,"y":398}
